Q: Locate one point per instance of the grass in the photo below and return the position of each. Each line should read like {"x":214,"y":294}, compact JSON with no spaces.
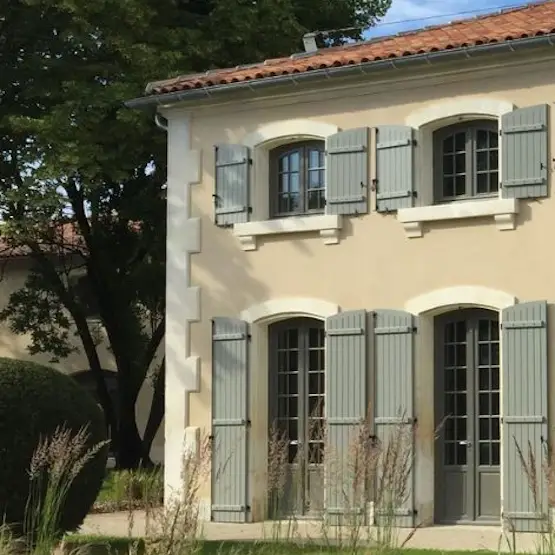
{"x":123,"y":489}
{"x":125,"y":545}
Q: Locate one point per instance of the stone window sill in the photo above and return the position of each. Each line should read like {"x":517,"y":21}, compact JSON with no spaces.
{"x":328,"y":225}
{"x":504,"y":212}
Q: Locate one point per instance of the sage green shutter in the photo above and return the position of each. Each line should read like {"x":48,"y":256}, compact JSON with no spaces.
{"x":524,"y":394}
{"x":525,"y":152}
{"x":232,"y":191}
{"x":230,"y":420}
{"x":394,"y":167}
{"x":394,"y":415}
{"x":347,"y":172}
{"x":346,"y":408}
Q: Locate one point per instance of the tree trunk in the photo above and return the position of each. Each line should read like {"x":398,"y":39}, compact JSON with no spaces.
{"x":129,"y":454}
{"x":156,"y":414}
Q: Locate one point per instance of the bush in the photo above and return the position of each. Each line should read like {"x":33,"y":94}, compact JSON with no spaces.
{"x":34,"y":401}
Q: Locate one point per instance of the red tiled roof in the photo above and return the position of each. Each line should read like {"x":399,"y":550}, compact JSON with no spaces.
{"x":522,"y":22}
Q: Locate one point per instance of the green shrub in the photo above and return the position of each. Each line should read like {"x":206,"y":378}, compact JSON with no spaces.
{"x":34,"y":401}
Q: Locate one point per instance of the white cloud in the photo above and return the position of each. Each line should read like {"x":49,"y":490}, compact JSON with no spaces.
{"x":405,"y":15}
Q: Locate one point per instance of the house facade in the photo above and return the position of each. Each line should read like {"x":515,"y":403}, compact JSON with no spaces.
{"x":14,"y":273}
{"x":363,"y":232}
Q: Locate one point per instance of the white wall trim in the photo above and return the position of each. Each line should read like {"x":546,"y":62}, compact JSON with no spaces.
{"x":328,"y":225}
{"x":463,"y":295}
{"x":503,"y":211}
{"x":302,"y":128}
{"x":290,"y":307}
{"x":182,"y":301}
{"x":465,"y":105}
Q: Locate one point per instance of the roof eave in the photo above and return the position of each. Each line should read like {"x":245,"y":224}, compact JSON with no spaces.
{"x":340,"y":71}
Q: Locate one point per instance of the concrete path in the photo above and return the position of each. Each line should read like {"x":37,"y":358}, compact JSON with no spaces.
{"x":446,"y":538}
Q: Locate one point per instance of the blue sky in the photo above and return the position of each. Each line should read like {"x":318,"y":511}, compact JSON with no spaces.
{"x":405,"y":15}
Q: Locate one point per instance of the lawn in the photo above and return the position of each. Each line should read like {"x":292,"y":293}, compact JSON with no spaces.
{"x":100,"y":545}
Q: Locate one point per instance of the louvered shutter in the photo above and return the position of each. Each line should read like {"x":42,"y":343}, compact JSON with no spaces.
{"x":394,"y":415}
{"x":232,"y":179}
{"x":394,"y":167}
{"x":230,"y":420}
{"x":525,"y":394}
{"x":347,"y":172}
{"x":346,"y":410}
{"x":525,"y":152}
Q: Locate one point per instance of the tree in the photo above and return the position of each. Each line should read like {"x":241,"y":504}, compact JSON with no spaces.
{"x":82,"y":178}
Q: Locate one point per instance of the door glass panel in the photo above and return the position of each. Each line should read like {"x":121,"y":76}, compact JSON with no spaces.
{"x":455,"y":393}
{"x":488,"y":392}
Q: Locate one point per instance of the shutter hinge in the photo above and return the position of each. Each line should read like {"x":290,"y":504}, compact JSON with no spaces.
{"x":217,"y":200}
{"x":414,"y":142}
{"x":211,"y":437}
{"x":249,"y":209}
{"x":249,"y":161}
{"x":374,"y":184}
{"x":249,"y":336}
{"x":501,"y":132}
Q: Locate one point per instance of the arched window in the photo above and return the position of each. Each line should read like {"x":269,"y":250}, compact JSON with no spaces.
{"x":297,"y":178}
{"x":466,"y":161}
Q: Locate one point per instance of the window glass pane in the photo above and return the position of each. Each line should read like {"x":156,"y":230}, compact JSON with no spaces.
{"x":484,"y":428}
{"x":493,"y":139}
{"x":484,"y":454}
{"x":462,"y":453}
{"x":314,"y":157}
{"x":495,"y":454}
{"x":448,"y":144}
{"x":284,"y":183}
{"x":493,"y":182}
{"x":294,"y":182}
{"x":460,"y":163}
{"x":448,"y":187}
{"x":482,"y":183}
{"x":315,"y":199}
{"x":460,"y":185}
{"x":460,"y":141}
{"x":314,"y":179}
{"x":295,"y":161}
{"x":448,"y":164}
{"x":482,"y":160}
{"x":493,"y":160}
{"x":461,"y":379}
{"x":461,"y":429}
{"x":482,"y":139}
{"x":284,"y":163}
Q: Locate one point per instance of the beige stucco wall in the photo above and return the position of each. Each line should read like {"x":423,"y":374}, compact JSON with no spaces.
{"x":16,"y":346}
{"x":375,"y":265}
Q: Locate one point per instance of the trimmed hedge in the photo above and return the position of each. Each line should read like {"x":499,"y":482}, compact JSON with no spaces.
{"x":34,"y":401}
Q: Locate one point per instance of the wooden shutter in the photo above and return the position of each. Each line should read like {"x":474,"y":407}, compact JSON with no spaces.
{"x":347,"y":172}
{"x":394,"y":415}
{"x":346,"y":407}
{"x":525,"y":394}
{"x":525,"y":152}
{"x":230,"y":420}
{"x":394,"y":167}
{"x":232,"y":178}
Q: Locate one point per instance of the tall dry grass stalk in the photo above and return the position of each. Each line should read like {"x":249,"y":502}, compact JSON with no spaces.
{"x":55,"y":464}
{"x":540,"y":476}
{"x":175,"y":530}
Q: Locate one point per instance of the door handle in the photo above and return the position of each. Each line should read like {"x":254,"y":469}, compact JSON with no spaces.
{"x":466,"y":442}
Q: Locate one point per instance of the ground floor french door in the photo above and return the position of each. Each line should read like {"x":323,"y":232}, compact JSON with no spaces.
{"x":296,"y":400}
{"x":468,"y":417}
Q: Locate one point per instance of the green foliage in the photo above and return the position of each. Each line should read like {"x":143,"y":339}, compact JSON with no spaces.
{"x":35,"y":401}
{"x":82,"y":178}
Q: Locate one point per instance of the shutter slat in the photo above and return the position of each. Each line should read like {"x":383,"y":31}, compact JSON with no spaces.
{"x":525,"y":152}
{"x":524,"y":418}
{"x":347,"y":172}
{"x":230,"y":421}
{"x":346,"y":408}
{"x":394,"y":412}
{"x":232,"y":185}
{"x":394,"y":167}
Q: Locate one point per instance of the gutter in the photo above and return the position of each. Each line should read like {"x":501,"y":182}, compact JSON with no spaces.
{"x":341,"y":71}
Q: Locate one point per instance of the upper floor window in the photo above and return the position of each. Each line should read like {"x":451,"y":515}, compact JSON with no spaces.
{"x":466,"y":161}
{"x":297,"y":179}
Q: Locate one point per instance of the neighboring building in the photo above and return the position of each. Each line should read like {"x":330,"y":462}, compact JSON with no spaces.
{"x":388,"y":204}
{"x":14,"y":273}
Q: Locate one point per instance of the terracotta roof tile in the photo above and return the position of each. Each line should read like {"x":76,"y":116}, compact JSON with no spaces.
{"x":522,"y":22}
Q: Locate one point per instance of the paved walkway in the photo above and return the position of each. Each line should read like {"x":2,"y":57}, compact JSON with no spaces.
{"x":437,"y":537}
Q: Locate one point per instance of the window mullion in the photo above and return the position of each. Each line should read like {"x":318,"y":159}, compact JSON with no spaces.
{"x":470,"y":163}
